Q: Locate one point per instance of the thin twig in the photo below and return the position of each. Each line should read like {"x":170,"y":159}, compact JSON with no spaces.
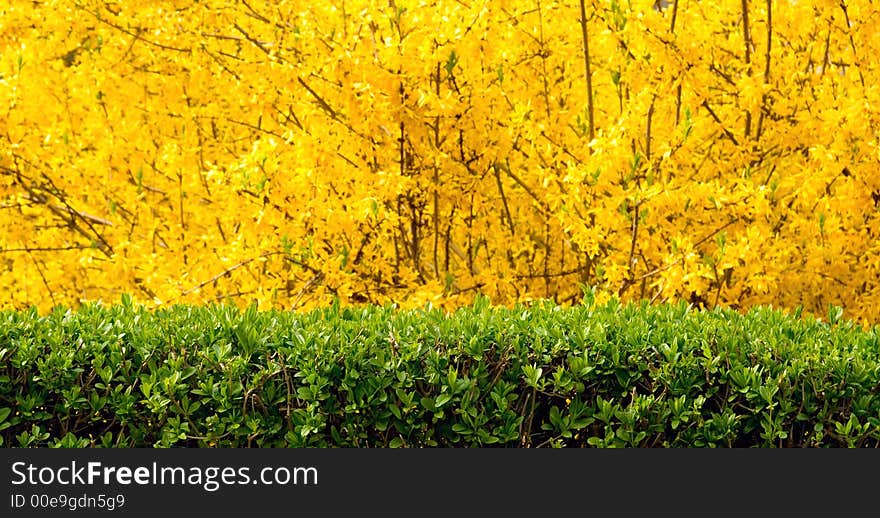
{"x":726,"y":131}
{"x":228,"y":271}
{"x":705,"y":238}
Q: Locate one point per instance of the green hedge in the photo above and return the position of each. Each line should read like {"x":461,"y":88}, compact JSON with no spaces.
{"x":593,"y":375}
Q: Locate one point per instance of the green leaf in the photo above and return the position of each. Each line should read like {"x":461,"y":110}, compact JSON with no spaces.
{"x":533,"y":374}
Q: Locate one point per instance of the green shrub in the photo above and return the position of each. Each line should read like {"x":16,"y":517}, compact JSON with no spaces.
{"x":588,"y":376}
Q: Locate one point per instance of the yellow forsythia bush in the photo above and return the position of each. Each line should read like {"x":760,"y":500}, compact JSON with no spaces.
{"x":406,"y":151}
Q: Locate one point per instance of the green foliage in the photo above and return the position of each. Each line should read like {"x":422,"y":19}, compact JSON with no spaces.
{"x":607,"y":375}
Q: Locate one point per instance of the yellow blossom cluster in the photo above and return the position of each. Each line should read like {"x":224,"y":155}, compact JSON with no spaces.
{"x":292,"y":153}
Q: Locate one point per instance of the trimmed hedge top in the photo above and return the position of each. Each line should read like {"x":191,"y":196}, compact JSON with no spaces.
{"x":593,"y":375}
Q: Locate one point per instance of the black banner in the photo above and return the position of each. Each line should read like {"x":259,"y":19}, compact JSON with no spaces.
{"x":429,"y":482}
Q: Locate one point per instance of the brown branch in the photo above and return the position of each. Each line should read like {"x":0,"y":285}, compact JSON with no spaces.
{"x":721,"y":73}
{"x":256,"y":14}
{"x":43,"y":277}
{"x":635,"y":234}
{"x":313,"y":281}
{"x":564,"y":149}
{"x":221,"y":63}
{"x":504,"y":200}
{"x":648,"y":129}
{"x":588,"y":71}
{"x":63,"y":211}
{"x":71,"y":215}
{"x":436,"y":194}
{"x":726,"y":131}
{"x":321,"y":102}
{"x":333,"y":113}
{"x":257,"y":43}
{"x":769,"y":40}
{"x":767,"y":59}
{"x":45,"y":249}
{"x":852,"y":42}
{"x":506,"y":168}
{"x":705,"y":238}
{"x":748,"y":44}
{"x":747,"y":37}
{"x":228,"y":271}
{"x":291,"y":117}
{"x":136,"y":35}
